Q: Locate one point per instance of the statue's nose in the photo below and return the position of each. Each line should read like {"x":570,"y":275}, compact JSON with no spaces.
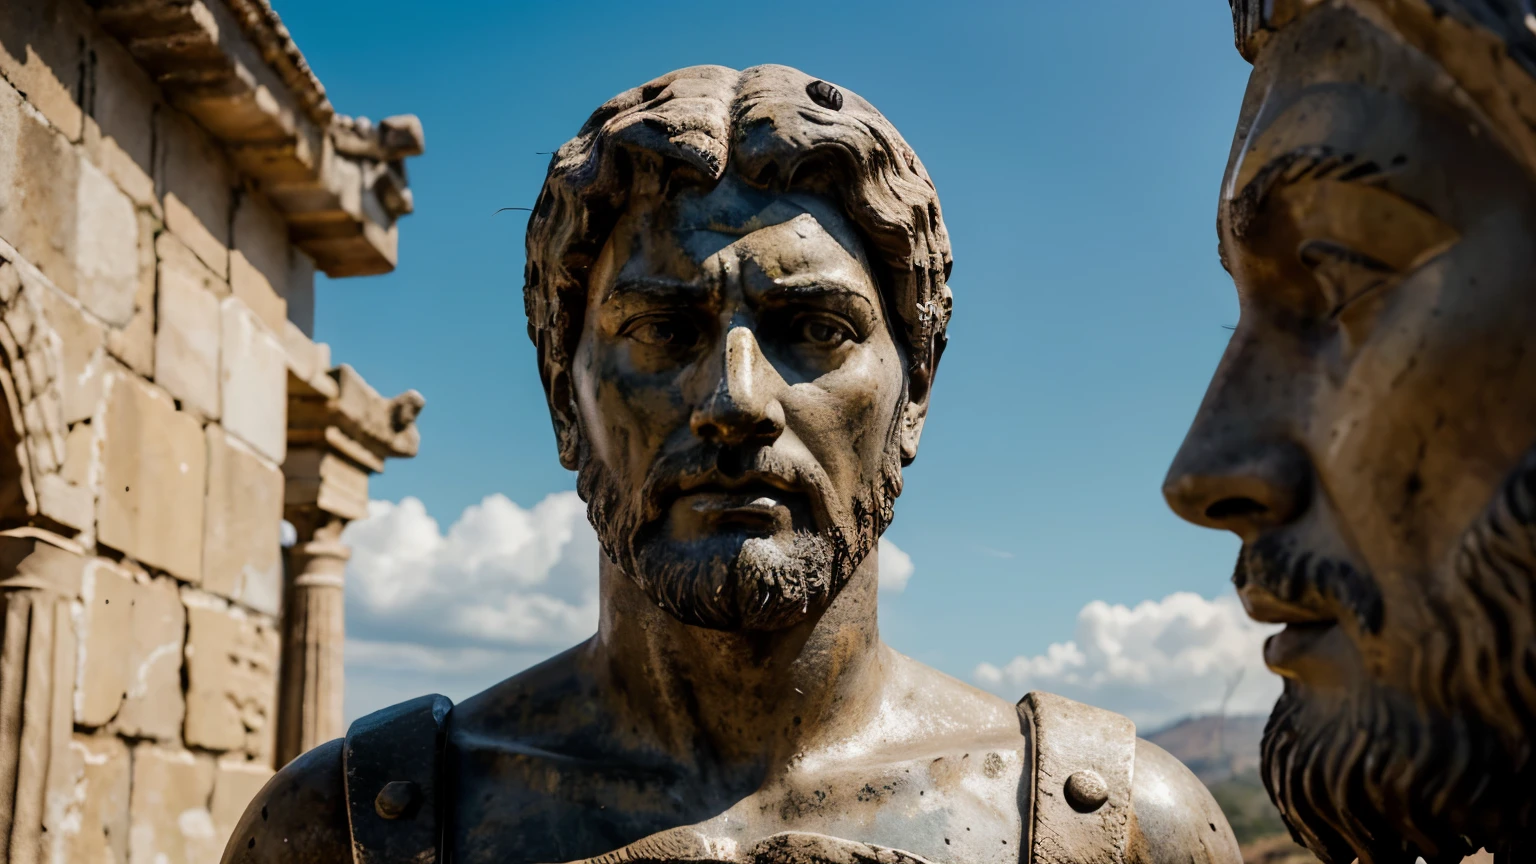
{"x":743,"y":408}
{"x":1241,"y":486}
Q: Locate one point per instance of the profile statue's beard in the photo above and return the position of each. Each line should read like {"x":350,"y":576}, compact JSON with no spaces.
{"x":731,"y":583}
{"x":1387,"y":775}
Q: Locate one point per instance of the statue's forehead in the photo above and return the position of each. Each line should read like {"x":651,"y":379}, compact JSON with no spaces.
{"x":778,"y":232}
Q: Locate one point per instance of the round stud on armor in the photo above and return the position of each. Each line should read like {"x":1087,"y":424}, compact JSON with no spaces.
{"x":1086,"y":791}
{"x":395,"y":799}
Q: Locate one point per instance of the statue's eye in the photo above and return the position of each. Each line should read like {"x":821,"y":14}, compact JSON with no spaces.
{"x":663,"y":331}
{"x":1345,"y":275}
{"x":822,"y":331}
{"x":1353,"y":285}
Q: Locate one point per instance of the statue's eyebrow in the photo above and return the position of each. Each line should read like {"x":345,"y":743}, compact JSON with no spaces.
{"x":813,"y":285}
{"x":657,"y":288}
{"x":1307,"y":163}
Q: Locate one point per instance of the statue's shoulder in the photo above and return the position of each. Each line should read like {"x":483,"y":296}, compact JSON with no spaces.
{"x":299,"y":816}
{"x":1176,"y":819}
{"x":371,"y":796}
{"x":1102,"y":794}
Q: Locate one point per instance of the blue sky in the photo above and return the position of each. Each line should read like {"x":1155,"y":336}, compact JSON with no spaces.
{"x":1077,"y":148}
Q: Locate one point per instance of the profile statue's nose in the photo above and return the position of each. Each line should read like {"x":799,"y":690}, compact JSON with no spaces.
{"x":1243,"y":489}
{"x":743,"y":408}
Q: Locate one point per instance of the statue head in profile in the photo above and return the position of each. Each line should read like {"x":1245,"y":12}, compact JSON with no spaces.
{"x":1369,"y":433}
{"x":736,"y":287}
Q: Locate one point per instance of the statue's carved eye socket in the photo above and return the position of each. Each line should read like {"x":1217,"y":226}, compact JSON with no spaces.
{"x":822,"y":331}
{"x":825,"y":95}
{"x":663,"y":331}
{"x":1344,"y":274}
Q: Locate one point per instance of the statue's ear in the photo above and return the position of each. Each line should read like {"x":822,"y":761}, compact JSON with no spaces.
{"x":555,"y":374}
{"x":562,"y":412}
{"x":920,"y":381}
{"x":912,"y":418}
{"x":915,"y":413}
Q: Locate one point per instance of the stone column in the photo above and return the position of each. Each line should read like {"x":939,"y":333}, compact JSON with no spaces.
{"x":314,"y":634}
{"x":340,"y":432}
{"x":38,"y":581}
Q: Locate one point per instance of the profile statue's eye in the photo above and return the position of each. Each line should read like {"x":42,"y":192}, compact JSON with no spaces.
{"x":822,"y":331}
{"x":663,"y":331}
{"x":1344,"y":274}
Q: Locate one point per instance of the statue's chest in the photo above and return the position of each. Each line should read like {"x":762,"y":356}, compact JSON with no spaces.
{"x":958,"y":807}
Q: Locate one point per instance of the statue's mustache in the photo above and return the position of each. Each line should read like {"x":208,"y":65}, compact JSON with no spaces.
{"x":673,"y":474}
{"x":1310,"y":581}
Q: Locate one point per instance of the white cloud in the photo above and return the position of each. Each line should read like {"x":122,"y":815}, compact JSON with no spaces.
{"x":1156,"y":662}
{"x":504,"y":588}
{"x":502,"y":577}
{"x":895,"y":567}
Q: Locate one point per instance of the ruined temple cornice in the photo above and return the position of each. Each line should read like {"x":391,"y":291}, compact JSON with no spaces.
{"x":339,"y":182}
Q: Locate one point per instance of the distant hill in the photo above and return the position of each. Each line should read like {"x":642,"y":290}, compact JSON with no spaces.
{"x":1224,"y":753}
{"x":1213,"y":747}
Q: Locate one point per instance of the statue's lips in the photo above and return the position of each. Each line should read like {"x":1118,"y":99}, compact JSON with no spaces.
{"x":1287,"y":652}
{"x":762,"y":499}
{"x":1306,"y":627}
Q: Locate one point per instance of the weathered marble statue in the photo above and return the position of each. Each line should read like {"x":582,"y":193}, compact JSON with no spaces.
{"x":736,"y":284}
{"x":1370,"y":431}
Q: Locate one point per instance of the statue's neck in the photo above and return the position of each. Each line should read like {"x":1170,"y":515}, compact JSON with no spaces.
{"x":732,"y":700}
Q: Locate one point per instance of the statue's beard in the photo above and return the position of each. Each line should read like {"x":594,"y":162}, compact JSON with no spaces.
{"x":1388,"y":775}
{"x":732,"y":582}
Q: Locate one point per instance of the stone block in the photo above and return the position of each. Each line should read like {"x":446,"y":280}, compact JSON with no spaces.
{"x":187,"y":338}
{"x":120,"y":134}
{"x":254,"y":382}
{"x":334,"y":483}
{"x":232,"y":661}
{"x":106,"y":247}
{"x":258,"y":261}
{"x":153,"y":479}
{"x":242,"y":552}
{"x":43,"y":53}
{"x":134,"y":343}
{"x":83,"y":342}
{"x":39,"y":176}
{"x":153,"y":706}
{"x":129,"y":661}
{"x":106,"y":630}
{"x":87,"y":817}
{"x":169,"y":808}
{"x":300,"y":292}
{"x":199,"y":190}
{"x":234,"y":787}
{"x":307,"y":360}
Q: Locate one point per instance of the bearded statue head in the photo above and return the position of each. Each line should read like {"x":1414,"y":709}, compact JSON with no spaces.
{"x":1370,"y":432}
{"x":736,"y":285}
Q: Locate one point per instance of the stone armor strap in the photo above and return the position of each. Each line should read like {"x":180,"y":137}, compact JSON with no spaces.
{"x":393,"y":762}
{"x":1083,"y":760}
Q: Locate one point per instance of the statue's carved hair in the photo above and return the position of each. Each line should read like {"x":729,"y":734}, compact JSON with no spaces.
{"x":1488,"y":46}
{"x":766,"y":125}
{"x":1506,"y":19}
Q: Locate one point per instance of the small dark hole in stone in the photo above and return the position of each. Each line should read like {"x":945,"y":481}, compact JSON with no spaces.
{"x":263,"y":813}
{"x":251,"y":843}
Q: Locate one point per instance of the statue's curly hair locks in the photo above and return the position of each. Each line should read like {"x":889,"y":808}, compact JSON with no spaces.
{"x":776,"y":128}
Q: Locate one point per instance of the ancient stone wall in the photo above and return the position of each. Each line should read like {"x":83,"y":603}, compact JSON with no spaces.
{"x":154,"y":316}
